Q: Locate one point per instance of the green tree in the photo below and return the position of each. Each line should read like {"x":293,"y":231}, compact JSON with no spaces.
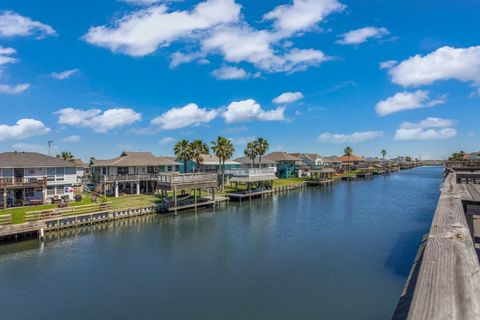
{"x":65,"y":155}
{"x":198,"y":148}
{"x":348,"y":152}
{"x":262,"y":146}
{"x":384,"y":153}
{"x":183,"y":151}
{"x":457,"y":156}
{"x":223,"y":149}
{"x":92,"y":161}
{"x":251,"y":151}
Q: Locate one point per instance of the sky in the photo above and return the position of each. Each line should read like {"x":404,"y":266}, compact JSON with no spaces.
{"x":101,"y":77}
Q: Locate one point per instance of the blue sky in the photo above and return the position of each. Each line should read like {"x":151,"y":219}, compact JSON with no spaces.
{"x":99,"y":77}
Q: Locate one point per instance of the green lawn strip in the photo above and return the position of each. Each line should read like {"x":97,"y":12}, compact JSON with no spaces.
{"x":289,"y":181}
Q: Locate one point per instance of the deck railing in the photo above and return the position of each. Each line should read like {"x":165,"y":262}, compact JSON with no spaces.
{"x":20,"y":181}
{"x":250,"y":172}
{"x":188,"y":178}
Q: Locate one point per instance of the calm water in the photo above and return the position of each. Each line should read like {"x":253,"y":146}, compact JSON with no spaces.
{"x":341,"y":253}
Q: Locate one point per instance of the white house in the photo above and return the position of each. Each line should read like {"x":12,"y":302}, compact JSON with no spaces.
{"x":34,"y":178}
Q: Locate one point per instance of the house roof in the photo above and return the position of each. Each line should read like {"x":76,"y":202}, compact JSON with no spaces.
{"x":128,"y":158}
{"x":79,"y":163}
{"x":31,"y":160}
{"x":211,"y":159}
{"x":279,"y":156}
{"x":353,"y":157}
{"x":247,"y":160}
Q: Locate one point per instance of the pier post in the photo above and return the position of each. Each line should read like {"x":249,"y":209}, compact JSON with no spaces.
{"x":4,"y":197}
{"x":41,"y":234}
{"x":138,"y":187}
{"x":116,"y":189}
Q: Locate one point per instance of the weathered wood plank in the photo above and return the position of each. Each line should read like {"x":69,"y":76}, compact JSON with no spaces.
{"x":448,"y":284}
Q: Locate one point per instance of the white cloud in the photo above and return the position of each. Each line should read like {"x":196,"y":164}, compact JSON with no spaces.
{"x":363,"y":34}
{"x":188,"y":115}
{"x":73,"y":138}
{"x":247,"y":110}
{"x":288,"y":97}
{"x":96,"y":120}
{"x":388,"y":64}
{"x":166,"y":140}
{"x":12,"y":24}
{"x":244,"y":44}
{"x":14,"y":89}
{"x":407,"y":101}
{"x":302,"y":15}
{"x":24,"y":128}
{"x":445,"y":63}
{"x":142,"y":2}
{"x":6,"y":55}
{"x":31,"y":147}
{"x":240,"y":141}
{"x":354,"y":137}
{"x":64,"y":74}
{"x":427,"y":129}
{"x":144,"y":31}
{"x":230,"y":73}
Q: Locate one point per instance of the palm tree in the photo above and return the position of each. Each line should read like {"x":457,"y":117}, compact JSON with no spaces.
{"x":223,"y":149}
{"x":348,"y":152}
{"x":183,"y":151}
{"x":251,"y":151}
{"x":262,"y":147}
{"x":384,"y":153}
{"x":198,"y":148}
{"x":65,"y":155}
{"x":92,"y":161}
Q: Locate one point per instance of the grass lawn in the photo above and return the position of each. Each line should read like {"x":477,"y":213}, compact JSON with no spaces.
{"x":289,"y":181}
{"x":134,"y":201}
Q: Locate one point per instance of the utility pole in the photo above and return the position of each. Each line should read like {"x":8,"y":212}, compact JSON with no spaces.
{"x":50,"y":142}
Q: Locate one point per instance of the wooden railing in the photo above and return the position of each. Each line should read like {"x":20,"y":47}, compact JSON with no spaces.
{"x":20,"y":181}
{"x":445,"y":283}
{"x":250,"y":172}
{"x":189,"y":178}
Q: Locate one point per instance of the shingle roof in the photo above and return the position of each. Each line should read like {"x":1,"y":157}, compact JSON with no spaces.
{"x":247,"y":160}
{"x":281,"y":156}
{"x":79,"y":163}
{"x":31,"y":160}
{"x":353,"y":157}
{"x":128,"y":158}
{"x":210,"y":159}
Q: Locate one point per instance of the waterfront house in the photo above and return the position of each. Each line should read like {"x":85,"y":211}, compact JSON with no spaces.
{"x":211,"y":164}
{"x":28,"y":178}
{"x":132,"y":172}
{"x":83,"y":170}
{"x":246,"y":162}
{"x":353,"y":161}
{"x":474,"y":156}
{"x":286,"y":163}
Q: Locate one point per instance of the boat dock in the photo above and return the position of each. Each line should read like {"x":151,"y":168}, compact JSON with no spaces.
{"x":444,"y":282}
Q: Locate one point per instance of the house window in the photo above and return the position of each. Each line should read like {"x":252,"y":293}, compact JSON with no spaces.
{"x":7,"y":173}
{"x":60,"y":190}
{"x":30,"y":171}
{"x":71,"y":170}
{"x":29,"y":192}
{"x":122,"y":170}
{"x":50,"y":174}
{"x":60,"y":174}
{"x":152,"y":169}
{"x":169,"y":168}
{"x":104,"y":170}
{"x":51,"y":190}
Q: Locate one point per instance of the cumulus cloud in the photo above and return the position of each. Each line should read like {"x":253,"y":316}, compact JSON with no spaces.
{"x":445,"y":63}
{"x":189,"y":115}
{"x":31,"y":147}
{"x":217,"y":27}
{"x":14,"y":89}
{"x":246,"y":110}
{"x":141,"y":2}
{"x":24,"y":128}
{"x":288,"y":97}
{"x":166,"y":140}
{"x":354,"y":137}
{"x":73,"y":138}
{"x":12,"y":25}
{"x":302,"y":15}
{"x":361,"y":35}
{"x":407,"y":101}
{"x":97,"y":120}
{"x":388,"y":64}
{"x":142,"y":32}
{"x":64,"y":74}
{"x":230,"y":73}
{"x":6,"y":55}
{"x":428,"y":129}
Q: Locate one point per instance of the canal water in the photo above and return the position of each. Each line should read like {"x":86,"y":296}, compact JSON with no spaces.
{"x":338,"y":253}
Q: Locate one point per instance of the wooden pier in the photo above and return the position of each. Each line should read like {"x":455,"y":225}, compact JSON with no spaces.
{"x":444,"y":282}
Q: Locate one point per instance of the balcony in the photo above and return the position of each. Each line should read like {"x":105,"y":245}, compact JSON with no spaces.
{"x":22,"y":182}
{"x":252,"y":174}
